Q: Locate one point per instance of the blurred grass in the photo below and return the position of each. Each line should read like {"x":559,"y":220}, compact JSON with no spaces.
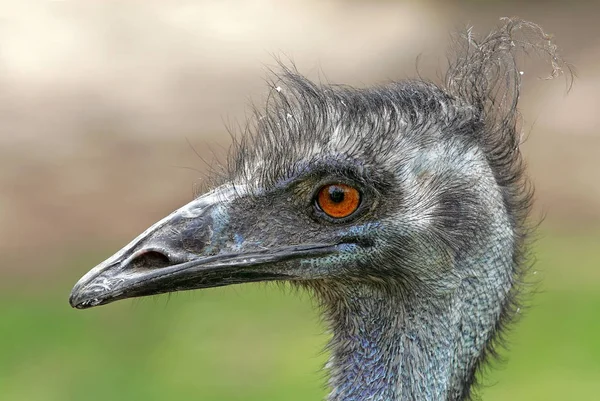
{"x":256,"y":342}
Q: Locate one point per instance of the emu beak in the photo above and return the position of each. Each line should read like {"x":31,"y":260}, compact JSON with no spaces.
{"x":189,"y":249}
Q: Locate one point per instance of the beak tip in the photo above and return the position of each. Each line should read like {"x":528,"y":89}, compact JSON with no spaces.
{"x":75,"y":300}
{"x":83,"y":303}
{"x":82,"y":297}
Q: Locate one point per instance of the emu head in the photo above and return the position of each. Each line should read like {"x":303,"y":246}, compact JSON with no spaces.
{"x":382,"y":185}
{"x":401,"y":206}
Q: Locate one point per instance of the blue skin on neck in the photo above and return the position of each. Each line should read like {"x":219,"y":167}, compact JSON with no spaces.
{"x":383,"y":351}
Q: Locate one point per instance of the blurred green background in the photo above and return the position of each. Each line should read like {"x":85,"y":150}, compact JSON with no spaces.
{"x":98,"y":102}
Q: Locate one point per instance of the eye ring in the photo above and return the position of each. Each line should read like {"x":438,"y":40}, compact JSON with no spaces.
{"x":338,"y":200}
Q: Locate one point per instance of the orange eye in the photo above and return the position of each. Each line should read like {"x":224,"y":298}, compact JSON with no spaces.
{"x":338,"y":200}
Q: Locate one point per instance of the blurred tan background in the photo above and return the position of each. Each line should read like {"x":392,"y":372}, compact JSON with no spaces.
{"x":99,"y":99}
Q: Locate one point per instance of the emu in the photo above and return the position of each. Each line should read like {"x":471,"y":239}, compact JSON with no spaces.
{"x":402,"y":208}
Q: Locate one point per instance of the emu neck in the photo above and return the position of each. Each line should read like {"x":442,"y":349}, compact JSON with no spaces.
{"x":410,"y":347}
{"x":382,"y":350}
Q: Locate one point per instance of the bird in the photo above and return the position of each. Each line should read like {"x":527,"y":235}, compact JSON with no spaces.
{"x":403,"y":208}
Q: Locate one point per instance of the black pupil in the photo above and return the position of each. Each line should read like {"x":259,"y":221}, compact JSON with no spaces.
{"x":336,"y":194}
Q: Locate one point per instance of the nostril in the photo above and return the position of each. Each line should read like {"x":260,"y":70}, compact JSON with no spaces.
{"x":150,"y":259}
